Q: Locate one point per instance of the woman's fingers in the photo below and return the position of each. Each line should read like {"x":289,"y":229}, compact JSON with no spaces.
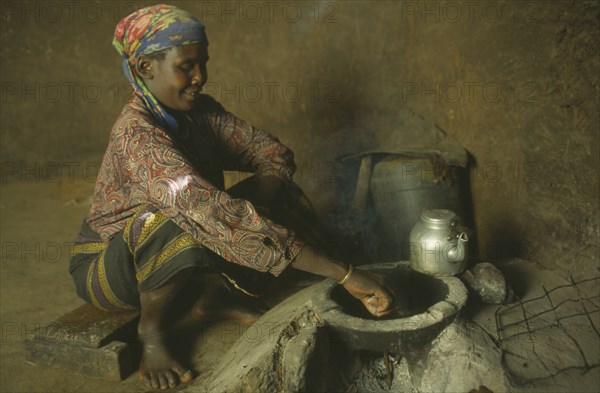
{"x":377,"y":305}
{"x":372,"y":291}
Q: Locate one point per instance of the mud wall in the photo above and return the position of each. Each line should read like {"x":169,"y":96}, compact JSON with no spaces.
{"x":515,"y":82}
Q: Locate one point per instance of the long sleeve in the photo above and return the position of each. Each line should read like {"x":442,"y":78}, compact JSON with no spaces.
{"x":248,"y":148}
{"x":230,"y":227}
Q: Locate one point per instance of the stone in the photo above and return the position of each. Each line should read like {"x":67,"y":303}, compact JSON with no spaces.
{"x":488,"y":283}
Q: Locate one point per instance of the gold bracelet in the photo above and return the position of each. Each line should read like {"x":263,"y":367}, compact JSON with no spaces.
{"x":347,"y":276}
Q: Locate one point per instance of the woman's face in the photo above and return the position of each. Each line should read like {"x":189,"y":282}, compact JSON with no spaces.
{"x":176,"y":80}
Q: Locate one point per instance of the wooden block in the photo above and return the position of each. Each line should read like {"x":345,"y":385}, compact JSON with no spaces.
{"x":88,"y":341}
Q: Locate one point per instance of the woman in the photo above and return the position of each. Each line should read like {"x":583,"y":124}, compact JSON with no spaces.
{"x":159,"y":208}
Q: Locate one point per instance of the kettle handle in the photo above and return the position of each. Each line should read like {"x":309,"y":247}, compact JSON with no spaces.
{"x":457,"y":253}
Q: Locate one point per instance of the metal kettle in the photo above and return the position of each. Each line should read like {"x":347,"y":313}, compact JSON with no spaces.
{"x":438,"y":243}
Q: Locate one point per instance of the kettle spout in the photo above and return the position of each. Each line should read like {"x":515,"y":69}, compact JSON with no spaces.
{"x":457,"y":253}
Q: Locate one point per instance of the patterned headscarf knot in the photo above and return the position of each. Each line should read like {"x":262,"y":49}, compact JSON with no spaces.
{"x":152,"y":29}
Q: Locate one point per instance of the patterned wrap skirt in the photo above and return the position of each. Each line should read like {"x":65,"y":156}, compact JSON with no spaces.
{"x":151,"y":249}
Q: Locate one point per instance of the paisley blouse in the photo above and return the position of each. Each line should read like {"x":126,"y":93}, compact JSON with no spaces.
{"x":182,"y":174}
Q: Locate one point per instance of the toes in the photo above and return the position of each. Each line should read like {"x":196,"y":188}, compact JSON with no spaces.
{"x":163,"y":381}
{"x":145,"y":378}
{"x":171,"y":378}
{"x":154,"y":381}
{"x":184,"y":375}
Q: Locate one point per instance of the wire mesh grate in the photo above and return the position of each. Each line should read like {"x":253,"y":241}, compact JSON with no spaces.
{"x":547,"y":335}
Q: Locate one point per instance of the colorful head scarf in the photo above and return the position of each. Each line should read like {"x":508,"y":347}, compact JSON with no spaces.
{"x":153,"y":29}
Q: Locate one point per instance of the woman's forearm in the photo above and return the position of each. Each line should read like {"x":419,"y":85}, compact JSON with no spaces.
{"x":310,"y":260}
{"x":365,"y":286}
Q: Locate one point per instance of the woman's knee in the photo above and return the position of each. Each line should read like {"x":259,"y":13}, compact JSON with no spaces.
{"x":142,"y":224}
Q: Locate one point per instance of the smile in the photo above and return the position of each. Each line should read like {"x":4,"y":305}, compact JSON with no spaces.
{"x":193,"y":94}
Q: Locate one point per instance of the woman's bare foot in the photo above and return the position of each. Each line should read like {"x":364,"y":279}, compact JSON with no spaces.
{"x":158,"y":369}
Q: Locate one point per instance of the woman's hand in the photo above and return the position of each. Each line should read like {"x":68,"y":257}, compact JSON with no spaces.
{"x":367,"y":287}
{"x":371,"y":291}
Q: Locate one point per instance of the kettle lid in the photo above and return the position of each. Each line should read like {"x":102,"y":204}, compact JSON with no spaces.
{"x":438,"y":216}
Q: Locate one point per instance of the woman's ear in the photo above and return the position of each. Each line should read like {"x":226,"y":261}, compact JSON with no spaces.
{"x":144,"y":67}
